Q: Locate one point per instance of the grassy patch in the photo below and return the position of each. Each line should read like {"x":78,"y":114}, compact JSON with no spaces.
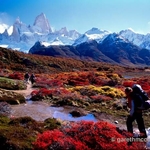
{"x":12,"y":84}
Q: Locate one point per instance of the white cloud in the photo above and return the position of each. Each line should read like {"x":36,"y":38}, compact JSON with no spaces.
{"x":6,"y":19}
{"x":5,"y":22}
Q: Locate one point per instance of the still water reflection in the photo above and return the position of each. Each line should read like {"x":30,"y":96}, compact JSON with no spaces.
{"x":41,"y":111}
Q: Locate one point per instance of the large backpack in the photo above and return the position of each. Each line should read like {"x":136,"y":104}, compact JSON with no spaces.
{"x":137,"y":89}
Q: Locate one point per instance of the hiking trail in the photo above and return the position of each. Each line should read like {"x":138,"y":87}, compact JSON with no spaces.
{"x":26,"y":93}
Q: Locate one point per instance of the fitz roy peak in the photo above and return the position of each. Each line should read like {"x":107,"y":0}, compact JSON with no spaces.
{"x":41,"y":24}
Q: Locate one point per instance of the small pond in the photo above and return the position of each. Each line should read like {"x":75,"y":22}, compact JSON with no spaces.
{"x":68,"y":117}
{"x":41,"y":111}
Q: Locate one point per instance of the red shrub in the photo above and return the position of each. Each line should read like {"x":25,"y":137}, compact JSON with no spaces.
{"x":78,"y":82}
{"x":56,"y":140}
{"x":46,"y":82}
{"x":84,"y":136}
{"x":44,"y":92}
{"x":18,"y":76}
{"x":99,"y":98}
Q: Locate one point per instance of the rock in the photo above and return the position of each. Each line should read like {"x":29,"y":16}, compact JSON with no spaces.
{"x":11,"y":97}
{"x":75,"y":113}
{"x":119,"y":107}
{"x":5,"y":108}
{"x":116,"y":122}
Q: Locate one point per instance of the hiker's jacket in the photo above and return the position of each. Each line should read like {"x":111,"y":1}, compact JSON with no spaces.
{"x":134,"y":102}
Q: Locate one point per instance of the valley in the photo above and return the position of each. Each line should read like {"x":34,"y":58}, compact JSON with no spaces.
{"x":64,"y":86}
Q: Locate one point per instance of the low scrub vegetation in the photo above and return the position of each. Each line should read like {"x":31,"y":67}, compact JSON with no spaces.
{"x":95,"y":87}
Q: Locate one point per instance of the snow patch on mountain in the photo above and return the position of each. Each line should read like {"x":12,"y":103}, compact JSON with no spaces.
{"x":10,"y":30}
{"x":55,"y":42}
{"x":3,"y":45}
{"x":45,"y":44}
{"x":3,"y":27}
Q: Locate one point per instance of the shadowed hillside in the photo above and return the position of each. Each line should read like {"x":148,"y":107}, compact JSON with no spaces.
{"x":19,"y":61}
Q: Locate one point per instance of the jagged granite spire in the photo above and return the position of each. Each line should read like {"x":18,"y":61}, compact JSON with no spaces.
{"x":41,"y":24}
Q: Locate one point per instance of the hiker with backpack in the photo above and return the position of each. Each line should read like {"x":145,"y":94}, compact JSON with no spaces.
{"x":26,"y":77}
{"x":32,"y":78}
{"x":135,"y":101}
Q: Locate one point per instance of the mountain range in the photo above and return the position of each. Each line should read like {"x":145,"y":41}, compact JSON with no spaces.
{"x":112,"y":49}
{"x":125,"y":47}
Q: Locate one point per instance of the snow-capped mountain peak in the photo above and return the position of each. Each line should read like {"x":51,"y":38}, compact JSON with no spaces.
{"x":63,"y":31}
{"x":132,"y":36}
{"x":92,"y":34}
{"x":96,"y":31}
{"x":96,"y":34}
{"x":18,"y":21}
{"x":115,"y":38}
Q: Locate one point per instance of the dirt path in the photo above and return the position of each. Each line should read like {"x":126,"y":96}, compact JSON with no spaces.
{"x":26,"y":93}
{"x":36,"y":110}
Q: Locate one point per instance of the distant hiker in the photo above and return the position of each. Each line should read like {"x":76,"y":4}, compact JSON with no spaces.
{"x":26,"y":77}
{"x":32,"y":78}
{"x":134,"y":101}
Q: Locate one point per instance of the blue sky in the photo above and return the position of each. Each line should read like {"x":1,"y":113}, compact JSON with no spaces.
{"x":81,"y":15}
